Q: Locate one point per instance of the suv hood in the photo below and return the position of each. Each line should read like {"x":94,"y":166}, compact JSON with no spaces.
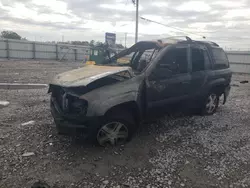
{"x":88,"y":74}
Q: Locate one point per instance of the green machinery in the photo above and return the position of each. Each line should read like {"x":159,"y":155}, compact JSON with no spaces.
{"x":99,"y":54}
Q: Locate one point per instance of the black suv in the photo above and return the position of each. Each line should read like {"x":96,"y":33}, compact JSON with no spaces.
{"x":106,"y":102}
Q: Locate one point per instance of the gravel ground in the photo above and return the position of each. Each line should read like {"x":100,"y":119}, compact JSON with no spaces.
{"x":169,"y":151}
{"x":33,"y":71}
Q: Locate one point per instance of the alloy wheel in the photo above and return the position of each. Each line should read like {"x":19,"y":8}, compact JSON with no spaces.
{"x":212,"y":102}
{"x":113,"y":133}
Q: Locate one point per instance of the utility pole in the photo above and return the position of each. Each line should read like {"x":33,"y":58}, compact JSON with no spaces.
{"x":137,"y":19}
{"x":125,"y":40}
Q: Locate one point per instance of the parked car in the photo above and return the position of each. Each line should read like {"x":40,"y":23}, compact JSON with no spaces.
{"x":106,"y":102}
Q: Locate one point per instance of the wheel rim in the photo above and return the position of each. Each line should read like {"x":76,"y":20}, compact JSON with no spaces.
{"x":113,"y":133}
{"x":211,"y":103}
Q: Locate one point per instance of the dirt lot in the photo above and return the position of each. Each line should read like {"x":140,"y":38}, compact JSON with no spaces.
{"x":170,"y":151}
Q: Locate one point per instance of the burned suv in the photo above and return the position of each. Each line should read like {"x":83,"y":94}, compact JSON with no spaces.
{"x":106,"y":102}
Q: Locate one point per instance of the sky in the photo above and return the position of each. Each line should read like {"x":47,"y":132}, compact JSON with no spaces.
{"x":226,"y":22}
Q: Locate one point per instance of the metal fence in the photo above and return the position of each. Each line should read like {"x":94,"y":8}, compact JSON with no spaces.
{"x":239,"y":60}
{"x":38,"y":50}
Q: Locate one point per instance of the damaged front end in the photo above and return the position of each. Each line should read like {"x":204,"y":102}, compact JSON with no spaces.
{"x":68,"y":105}
{"x":67,"y":100}
{"x":70,"y":100}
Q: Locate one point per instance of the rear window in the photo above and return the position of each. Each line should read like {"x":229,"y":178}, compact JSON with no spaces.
{"x":220,"y":58}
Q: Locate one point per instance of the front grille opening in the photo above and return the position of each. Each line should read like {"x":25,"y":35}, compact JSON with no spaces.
{"x":76,"y":105}
{"x":68,"y":103}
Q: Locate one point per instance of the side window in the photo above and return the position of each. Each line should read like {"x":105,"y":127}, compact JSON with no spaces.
{"x":177,"y":60}
{"x":198,"y":59}
{"x":220,"y":58}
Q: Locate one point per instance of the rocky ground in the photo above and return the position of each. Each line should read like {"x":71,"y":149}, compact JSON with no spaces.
{"x":21,"y":71}
{"x":169,"y":151}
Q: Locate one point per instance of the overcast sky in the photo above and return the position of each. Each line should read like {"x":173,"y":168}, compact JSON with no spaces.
{"x":226,"y":22}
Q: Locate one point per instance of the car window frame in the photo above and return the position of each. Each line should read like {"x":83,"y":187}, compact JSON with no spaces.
{"x":214,"y":60}
{"x":178,"y":46}
{"x":207,"y":64}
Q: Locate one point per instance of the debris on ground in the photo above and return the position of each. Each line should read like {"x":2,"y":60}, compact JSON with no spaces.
{"x":28,"y":123}
{"x":244,"y":82}
{"x":4,"y":103}
{"x":28,"y":154}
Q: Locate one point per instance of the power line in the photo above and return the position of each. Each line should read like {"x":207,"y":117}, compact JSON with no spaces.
{"x":171,"y":27}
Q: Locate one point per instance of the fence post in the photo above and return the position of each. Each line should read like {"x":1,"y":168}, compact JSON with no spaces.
{"x":56,"y":52}
{"x":75,"y":52}
{"x":34,"y":50}
{"x":7,"y":49}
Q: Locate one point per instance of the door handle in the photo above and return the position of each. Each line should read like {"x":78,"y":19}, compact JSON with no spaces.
{"x":185,"y":82}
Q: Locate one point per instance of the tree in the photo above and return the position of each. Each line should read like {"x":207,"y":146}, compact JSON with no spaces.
{"x":10,"y":35}
{"x":84,"y":43}
{"x":92,"y":43}
{"x":99,"y":44}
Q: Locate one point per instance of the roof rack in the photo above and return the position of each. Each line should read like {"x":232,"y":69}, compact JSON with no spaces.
{"x":210,"y":42}
{"x":186,"y":39}
{"x":174,"y":39}
{"x":178,"y":38}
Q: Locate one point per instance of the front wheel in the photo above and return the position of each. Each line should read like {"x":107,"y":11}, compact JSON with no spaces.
{"x":210,"y":104}
{"x":113,"y":133}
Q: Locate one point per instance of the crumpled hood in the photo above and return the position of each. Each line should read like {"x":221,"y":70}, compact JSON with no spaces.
{"x":87,"y":74}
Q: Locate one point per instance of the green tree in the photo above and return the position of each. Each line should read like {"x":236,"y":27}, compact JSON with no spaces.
{"x":99,"y":44}
{"x":10,"y":35}
{"x":92,"y":43}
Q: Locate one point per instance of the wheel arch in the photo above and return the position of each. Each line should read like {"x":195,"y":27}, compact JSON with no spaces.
{"x":218,"y":86}
{"x":130,"y":107}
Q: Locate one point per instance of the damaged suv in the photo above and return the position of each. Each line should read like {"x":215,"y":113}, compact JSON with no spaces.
{"x":106,"y":102}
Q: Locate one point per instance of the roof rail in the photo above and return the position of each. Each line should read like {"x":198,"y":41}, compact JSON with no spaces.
{"x":175,"y":39}
{"x":215,"y":44}
{"x":211,"y":43}
{"x":178,"y":37}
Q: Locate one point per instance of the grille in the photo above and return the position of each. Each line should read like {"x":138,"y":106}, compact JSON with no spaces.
{"x":68,"y":103}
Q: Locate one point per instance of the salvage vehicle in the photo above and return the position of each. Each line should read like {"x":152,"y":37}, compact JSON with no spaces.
{"x":107,"y":102}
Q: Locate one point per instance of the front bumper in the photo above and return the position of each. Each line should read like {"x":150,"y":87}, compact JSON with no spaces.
{"x":68,"y":124}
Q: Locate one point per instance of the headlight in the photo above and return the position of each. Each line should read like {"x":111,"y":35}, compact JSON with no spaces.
{"x":76,"y":105}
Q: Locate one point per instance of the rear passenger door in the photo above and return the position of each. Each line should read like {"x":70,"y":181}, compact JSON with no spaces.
{"x":200,"y":64}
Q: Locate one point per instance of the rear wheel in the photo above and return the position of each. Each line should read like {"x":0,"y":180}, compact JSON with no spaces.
{"x":210,"y":104}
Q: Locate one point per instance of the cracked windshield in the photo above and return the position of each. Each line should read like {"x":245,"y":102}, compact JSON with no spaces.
{"x":124,"y":94}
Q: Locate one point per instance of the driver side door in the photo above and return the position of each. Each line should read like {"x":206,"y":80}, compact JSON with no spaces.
{"x":170,"y":80}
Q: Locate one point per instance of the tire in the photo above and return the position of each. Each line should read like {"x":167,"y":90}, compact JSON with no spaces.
{"x":116,"y":129}
{"x":210,"y":104}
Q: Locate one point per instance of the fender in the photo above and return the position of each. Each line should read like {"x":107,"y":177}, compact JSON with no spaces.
{"x":100,"y":108}
{"x":217,"y":82}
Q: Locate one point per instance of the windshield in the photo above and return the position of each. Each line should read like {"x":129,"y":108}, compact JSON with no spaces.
{"x":137,"y":59}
